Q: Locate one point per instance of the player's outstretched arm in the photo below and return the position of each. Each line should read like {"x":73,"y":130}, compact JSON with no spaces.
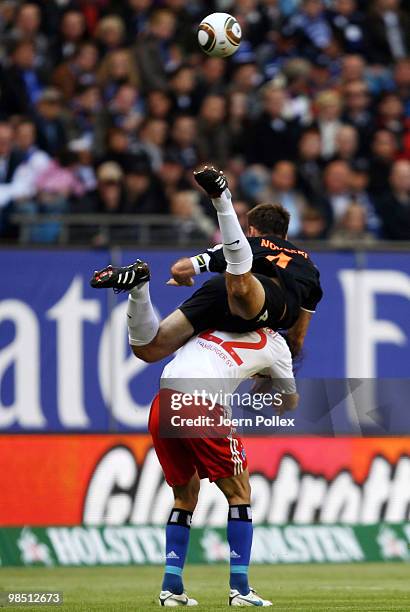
{"x":182,"y":272}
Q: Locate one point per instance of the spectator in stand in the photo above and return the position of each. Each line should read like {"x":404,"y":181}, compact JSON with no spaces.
{"x":238,"y":122}
{"x":152,"y":138}
{"x":183,"y":143}
{"x":311,"y":26}
{"x":313,"y":225}
{"x":284,"y":191}
{"x":388,"y":32}
{"x":193,"y":222}
{"x":352,"y":68}
{"x":297,"y":72}
{"x":86,"y":107}
{"x":183,"y":90}
{"x":352,"y":227}
{"x":310,"y":165}
{"x":346,"y":144}
{"x":159,"y":105}
{"x":136,"y":15}
{"x":79,"y":69}
{"x":272,"y":137}
{"x":337,"y":197}
{"x":394,"y":205}
{"x":153,"y":50}
{"x":110,"y":34}
{"x":348,"y":25}
{"x":117,"y":68}
{"x":109,"y":197}
{"x":402,"y":83}
{"x":383,"y":154}
{"x":212,"y":77}
{"x":51,"y":130}
{"x":27,"y":27}
{"x":246,"y":78}
{"x":126,"y":111}
{"x":328,"y":106}
{"x":391,"y":115}
{"x":71,"y":35}
{"x":213,"y":133}
{"x":255,"y":184}
{"x":115,"y":147}
{"x":172,"y":176}
{"x":22,"y":82}
{"x":143,"y":192}
{"x":359,"y":187}
{"x":357,"y":112}
{"x":10,"y":158}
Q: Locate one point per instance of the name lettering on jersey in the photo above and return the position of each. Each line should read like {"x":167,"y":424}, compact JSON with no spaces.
{"x":274,"y":247}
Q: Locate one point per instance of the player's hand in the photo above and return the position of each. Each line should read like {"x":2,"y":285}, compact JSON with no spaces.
{"x":213,"y":181}
{"x":187,"y":282}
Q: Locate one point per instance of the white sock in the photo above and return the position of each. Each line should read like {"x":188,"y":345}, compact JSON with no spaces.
{"x":143,"y":323}
{"x":236,"y":248}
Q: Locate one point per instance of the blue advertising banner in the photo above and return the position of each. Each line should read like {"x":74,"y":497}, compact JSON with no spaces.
{"x":65,"y":364}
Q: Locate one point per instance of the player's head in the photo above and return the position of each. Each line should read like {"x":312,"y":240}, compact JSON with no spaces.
{"x":268,"y":219}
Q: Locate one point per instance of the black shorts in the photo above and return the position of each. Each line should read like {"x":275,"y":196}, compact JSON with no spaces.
{"x":208,"y":308}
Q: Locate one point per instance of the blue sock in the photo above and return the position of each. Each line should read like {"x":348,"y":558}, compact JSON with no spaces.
{"x":239,"y":534}
{"x":177,"y":539}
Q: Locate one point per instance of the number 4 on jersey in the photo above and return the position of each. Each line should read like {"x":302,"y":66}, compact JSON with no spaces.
{"x":280,"y":260}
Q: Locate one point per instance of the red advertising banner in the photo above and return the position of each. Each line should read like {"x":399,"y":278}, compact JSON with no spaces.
{"x":115,"y":479}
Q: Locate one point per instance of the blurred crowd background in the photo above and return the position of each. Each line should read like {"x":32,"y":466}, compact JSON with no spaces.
{"x":106,"y":107}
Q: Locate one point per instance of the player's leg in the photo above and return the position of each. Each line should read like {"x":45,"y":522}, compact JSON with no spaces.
{"x":150,"y":339}
{"x":177,"y":535}
{"x":237,"y":491}
{"x":173,"y":332}
{"x":178,"y":465}
{"x":246,"y":295}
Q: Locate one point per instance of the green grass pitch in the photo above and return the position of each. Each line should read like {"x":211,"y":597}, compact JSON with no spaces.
{"x":294,"y":588}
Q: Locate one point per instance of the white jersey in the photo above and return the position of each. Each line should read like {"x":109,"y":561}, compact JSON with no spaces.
{"x":231,"y":358}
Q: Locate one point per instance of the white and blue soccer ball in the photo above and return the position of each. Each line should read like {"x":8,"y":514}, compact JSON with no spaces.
{"x":219,"y":35}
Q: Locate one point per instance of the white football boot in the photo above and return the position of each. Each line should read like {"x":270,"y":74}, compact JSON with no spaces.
{"x":251,"y":599}
{"x":166,"y":598}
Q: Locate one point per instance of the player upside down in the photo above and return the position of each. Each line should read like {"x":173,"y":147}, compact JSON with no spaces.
{"x":238,"y":302}
{"x":267,"y":281}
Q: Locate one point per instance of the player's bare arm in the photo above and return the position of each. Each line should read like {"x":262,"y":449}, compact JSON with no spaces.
{"x":268,"y":384}
{"x":296,"y":335}
{"x":182,"y":272}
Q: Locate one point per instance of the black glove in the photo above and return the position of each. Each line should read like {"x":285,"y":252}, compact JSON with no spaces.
{"x":213,"y":181}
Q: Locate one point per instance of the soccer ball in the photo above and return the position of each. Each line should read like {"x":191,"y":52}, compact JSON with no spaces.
{"x":219,"y":35}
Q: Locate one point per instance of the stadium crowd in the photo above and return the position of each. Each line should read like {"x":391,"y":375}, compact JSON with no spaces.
{"x":108,"y":106}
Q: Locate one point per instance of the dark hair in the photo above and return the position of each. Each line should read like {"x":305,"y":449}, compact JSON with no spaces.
{"x":269,"y":219}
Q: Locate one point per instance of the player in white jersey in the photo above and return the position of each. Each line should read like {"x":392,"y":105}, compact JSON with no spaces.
{"x":221,"y":361}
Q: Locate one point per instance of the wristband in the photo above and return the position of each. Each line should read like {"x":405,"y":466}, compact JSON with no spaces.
{"x":200,"y":263}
